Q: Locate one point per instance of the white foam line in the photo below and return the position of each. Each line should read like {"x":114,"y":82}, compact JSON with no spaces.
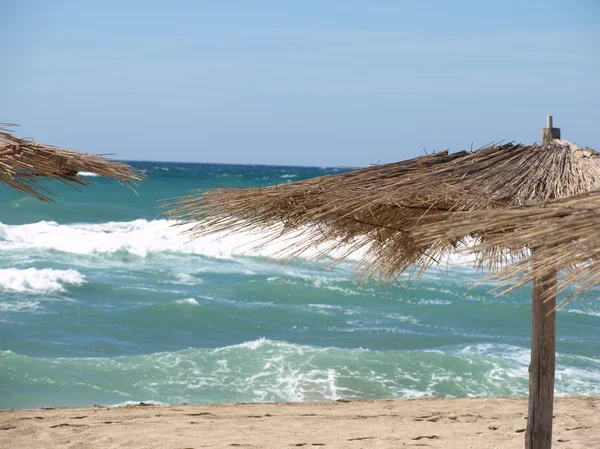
{"x":143,"y":237}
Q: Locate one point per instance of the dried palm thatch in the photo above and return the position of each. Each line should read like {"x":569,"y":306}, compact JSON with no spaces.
{"x":565,"y":233}
{"x":378,"y":207}
{"x":23,"y":163}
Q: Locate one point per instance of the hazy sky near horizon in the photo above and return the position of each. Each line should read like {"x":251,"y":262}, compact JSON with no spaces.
{"x":315,"y":82}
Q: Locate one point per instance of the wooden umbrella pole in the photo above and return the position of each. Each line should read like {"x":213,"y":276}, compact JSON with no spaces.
{"x":543,"y":346}
{"x":541,"y":368}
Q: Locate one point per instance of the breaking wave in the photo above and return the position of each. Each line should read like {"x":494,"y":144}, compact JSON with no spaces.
{"x":32,"y":280}
{"x":265,"y":370}
{"x":143,"y":238}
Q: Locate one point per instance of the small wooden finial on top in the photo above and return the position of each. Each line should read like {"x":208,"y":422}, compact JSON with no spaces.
{"x":549,"y":132}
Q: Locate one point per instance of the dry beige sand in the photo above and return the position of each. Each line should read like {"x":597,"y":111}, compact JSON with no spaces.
{"x":435,"y":423}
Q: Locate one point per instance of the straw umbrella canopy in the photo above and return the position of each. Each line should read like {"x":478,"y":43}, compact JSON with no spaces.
{"x":380,"y":207}
{"x":565,"y":231}
{"x":375,"y":207}
{"x":24,"y":163}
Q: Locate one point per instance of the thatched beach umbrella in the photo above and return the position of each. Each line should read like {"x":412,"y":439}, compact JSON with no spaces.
{"x":24,"y":163}
{"x":379,"y":208}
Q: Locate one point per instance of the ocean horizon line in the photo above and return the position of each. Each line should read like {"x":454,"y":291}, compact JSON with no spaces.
{"x":344,"y":167}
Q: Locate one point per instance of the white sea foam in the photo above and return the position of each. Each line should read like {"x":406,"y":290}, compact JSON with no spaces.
{"x":323,"y":282}
{"x":87,"y":173}
{"x":270,"y":370}
{"x":143,"y":238}
{"x":38,"y":281}
{"x":186,"y":279}
{"x":585,"y":312}
{"x":325,"y":306}
{"x":403,"y":318}
{"x":277,"y":374}
{"x":189,"y":301}
{"x":139,"y":237}
{"x":252,"y":344}
{"x":428,"y":302}
{"x":19,"y":306}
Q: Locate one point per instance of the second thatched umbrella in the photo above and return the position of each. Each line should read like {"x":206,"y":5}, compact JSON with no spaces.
{"x":25,"y":163}
{"x":379,"y":207}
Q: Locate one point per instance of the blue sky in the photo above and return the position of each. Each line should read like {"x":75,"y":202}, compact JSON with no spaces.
{"x":346,"y":83}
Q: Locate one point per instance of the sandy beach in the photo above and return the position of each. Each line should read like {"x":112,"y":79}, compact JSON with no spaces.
{"x":435,"y":423}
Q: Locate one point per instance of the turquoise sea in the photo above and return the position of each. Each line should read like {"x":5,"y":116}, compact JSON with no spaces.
{"x":102,"y":301}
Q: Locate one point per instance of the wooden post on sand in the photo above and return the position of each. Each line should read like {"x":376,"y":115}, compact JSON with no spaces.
{"x":543,"y":346}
